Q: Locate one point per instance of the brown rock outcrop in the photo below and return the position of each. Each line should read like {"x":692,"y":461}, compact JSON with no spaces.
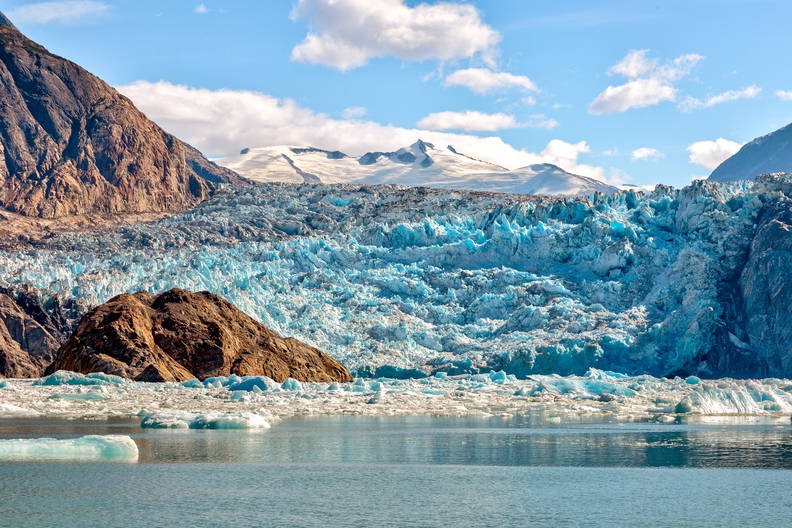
{"x":180,"y":335}
{"x":30,"y":334}
{"x":72,"y":145}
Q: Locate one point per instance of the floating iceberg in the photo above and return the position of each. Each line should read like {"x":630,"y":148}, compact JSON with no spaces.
{"x":63,"y":377}
{"x":186,"y":420}
{"x":109,"y":448}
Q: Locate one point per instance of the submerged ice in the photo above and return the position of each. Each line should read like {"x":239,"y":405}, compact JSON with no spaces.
{"x":403,"y":282}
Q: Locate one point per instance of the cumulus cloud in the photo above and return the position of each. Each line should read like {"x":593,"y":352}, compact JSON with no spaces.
{"x":201,"y":9}
{"x":483,"y":80}
{"x":710,"y":154}
{"x":345,"y":34}
{"x":784,"y":95}
{"x":221,"y":122}
{"x":468,"y":120}
{"x":649,"y":82}
{"x":691,"y":103}
{"x":354,"y":112}
{"x":67,"y":11}
{"x":472,"y":120}
{"x":646,"y":153}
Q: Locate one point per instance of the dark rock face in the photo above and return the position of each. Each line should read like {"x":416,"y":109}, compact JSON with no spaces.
{"x":180,"y":335}
{"x":30,"y":331}
{"x":767,"y":292}
{"x":71,"y":145}
{"x":763,"y":155}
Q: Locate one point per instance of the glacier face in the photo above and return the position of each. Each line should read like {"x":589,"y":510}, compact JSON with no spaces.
{"x":399,"y":281}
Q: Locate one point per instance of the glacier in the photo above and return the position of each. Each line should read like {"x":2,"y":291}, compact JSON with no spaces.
{"x":405,"y":282}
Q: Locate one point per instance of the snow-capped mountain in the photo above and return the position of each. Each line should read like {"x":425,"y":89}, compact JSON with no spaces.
{"x":764,"y":155}
{"x":421,"y":164}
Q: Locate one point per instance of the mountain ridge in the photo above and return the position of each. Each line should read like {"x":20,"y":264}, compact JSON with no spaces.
{"x":71,"y":145}
{"x":766,"y":154}
{"x":422,"y":164}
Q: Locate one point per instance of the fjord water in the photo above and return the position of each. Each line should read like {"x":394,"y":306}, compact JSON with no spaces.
{"x":411,"y":471}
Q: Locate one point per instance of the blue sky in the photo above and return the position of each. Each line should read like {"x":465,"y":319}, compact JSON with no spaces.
{"x":231,"y":74}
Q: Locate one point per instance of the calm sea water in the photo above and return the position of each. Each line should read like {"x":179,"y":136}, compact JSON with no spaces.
{"x":416,"y":471}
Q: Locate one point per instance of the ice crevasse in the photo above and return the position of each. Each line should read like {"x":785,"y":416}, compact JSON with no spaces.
{"x":403,"y":282}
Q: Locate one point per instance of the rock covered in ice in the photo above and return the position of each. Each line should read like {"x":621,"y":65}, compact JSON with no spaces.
{"x":100,"y":448}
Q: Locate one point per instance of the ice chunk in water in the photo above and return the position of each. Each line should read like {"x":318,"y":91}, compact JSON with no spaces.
{"x":8,"y":409}
{"x":109,"y":448}
{"x":63,"y":377}
{"x":185,"y":420}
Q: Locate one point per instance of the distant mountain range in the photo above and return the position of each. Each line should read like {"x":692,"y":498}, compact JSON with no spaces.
{"x":421,"y":164}
{"x":764,"y":155}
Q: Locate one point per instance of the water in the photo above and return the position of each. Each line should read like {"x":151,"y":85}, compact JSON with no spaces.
{"x":412,"y":471}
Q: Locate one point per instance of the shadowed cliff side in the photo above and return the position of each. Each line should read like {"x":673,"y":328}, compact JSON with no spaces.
{"x":72,"y":145}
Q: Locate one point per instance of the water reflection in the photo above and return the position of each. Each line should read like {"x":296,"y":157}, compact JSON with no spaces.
{"x":518,"y":441}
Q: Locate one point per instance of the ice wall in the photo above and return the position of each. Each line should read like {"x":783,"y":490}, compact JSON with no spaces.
{"x":398,"y":281}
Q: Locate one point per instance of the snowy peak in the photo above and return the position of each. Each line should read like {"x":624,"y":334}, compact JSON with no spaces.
{"x":421,"y":164}
{"x":415,"y":154}
{"x":764,"y":155}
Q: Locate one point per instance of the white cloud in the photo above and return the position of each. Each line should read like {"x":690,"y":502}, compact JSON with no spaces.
{"x":646,"y":153}
{"x":529,"y":100}
{"x":649,"y":82}
{"x":468,"y":120}
{"x":634,"y":65}
{"x":483,"y":80}
{"x":710,"y":154}
{"x":691,"y":103}
{"x":67,"y":11}
{"x":540,"y":121}
{"x":201,"y":9}
{"x":345,"y":34}
{"x":784,"y":95}
{"x":472,"y":120}
{"x":354,"y":112}
{"x":222,"y":122}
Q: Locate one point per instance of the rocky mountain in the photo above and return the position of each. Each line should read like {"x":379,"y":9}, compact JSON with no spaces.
{"x":764,"y":155}
{"x":180,"y":335}
{"x":421,"y":165}
{"x":71,"y":145}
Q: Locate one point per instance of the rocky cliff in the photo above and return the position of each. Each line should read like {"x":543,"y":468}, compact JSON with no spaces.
{"x":72,"y":145}
{"x":31,"y":331}
{"x":180,"y":335}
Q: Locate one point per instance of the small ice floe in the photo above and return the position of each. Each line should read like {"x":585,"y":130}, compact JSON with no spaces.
{"x":186,"y":420}
{"x":63,"y":377}
{"x":6,"y":409}
{"x":97,"y":448}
